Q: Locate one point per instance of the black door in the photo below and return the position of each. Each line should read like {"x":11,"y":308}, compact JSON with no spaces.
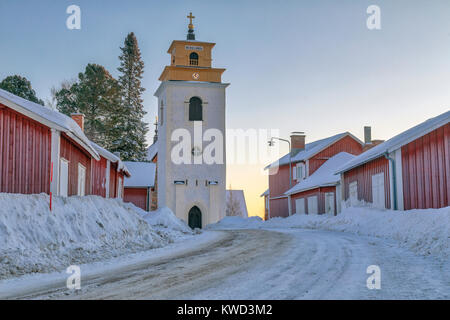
{"x":195,"y":218}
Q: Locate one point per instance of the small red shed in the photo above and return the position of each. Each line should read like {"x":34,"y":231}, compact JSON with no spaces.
{"x":139,"y":187}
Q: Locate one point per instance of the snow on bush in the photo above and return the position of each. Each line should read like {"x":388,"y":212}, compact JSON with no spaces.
{"x":77,"y":230}
{"x":163,"y":218}
{"x":423,"y":231}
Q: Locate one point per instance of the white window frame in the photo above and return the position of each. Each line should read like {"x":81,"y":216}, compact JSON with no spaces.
{"x":300,"y":171}
{"x":300,"y":206}
{"x":353,"y":193}
{"x":120,"y":187}
{"x":81,"y":185}
{"x":329,"y":203}
{"x":378,"y":191}
{"x":313,"y":200}
{"x":63,"y":187}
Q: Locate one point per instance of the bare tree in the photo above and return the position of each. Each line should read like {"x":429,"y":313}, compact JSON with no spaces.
{"x":233,"y":206}
{"x":65,"y":84}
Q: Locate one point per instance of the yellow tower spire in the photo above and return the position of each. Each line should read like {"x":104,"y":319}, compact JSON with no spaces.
{"x":190,"y":35}
{"x":190,"y":17}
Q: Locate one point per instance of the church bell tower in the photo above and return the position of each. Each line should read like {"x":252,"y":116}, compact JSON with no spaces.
{"x":191,"y":99}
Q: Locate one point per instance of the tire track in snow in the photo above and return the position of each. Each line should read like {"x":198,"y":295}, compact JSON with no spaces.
{"x":275,"y":264}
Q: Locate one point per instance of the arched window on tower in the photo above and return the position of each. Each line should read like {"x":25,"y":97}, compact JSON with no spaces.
{"x":193,"y":59}
{"x":195,"y":109}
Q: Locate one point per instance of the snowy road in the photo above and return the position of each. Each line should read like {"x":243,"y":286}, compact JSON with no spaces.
{"x":270,"y":264}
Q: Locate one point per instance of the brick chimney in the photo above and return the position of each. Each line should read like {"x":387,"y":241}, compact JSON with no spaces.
{"x":297,"y":141}
{"x":79,"y":119}
{"x":367,"y":135}
{"x":368,"y":142}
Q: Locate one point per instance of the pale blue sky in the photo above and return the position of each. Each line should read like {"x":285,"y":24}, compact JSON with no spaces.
{"x":309,"y":66}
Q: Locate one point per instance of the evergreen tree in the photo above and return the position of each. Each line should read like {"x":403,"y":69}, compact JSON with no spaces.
{"x":21,"y":87}
{"x":130,"y":141}
{"x":96,"y":94}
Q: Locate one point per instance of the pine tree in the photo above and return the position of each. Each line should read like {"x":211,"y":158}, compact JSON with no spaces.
{"x":20,"y":86}
{"x":96,"y":94}
{"x":130,"y":141}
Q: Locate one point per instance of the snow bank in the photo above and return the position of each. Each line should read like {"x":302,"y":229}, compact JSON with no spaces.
{"x":78,"y":230}
{"x":163,"y":218}
{"x":425,"y":232}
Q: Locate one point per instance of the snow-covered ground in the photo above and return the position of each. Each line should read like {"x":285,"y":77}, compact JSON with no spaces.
{"x":300,"y":257}
{"x":253,"y":264}
{"x":78,"y":230}
{"x":426,"y":232}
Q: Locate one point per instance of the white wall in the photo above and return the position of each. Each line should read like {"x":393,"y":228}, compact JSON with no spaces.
{"x":180,"y":198}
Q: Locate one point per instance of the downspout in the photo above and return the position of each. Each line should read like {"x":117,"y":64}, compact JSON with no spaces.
{"x":394,"y":182}
{"x":149,"y":192}
{"x":290,"y":179}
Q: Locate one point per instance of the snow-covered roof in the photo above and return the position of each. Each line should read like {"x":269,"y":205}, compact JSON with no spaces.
{"x":324,"y":176}
{"x":152,"y":151}
{"x":142,"y":174}
{"x":398,"y":141}
{"x":311,"y":149}
{"x":238,"y":195}
{"x":111,"y":157}
{"x":266,"y":193}
{"x":49,"y":117}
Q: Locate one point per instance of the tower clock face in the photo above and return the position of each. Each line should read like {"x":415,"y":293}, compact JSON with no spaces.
{"x":196,"y":151}
{"x":196,"y":75}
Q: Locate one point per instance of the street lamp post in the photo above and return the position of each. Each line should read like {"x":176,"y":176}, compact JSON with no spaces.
{"x":271,"y":143}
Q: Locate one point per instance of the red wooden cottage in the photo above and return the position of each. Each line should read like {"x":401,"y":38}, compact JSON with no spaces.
{"x":408,"y":171}
{"x":320,"y":192}
{"x":109,"y":174}
{"x":140,"y":186}
{"x":305,"y":160}
{"x":44,"y":151}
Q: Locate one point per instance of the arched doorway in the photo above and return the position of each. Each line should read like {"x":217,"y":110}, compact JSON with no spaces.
{"x":195,"y":218}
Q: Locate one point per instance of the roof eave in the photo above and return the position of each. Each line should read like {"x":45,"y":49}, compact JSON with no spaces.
{"x":331,"y":184}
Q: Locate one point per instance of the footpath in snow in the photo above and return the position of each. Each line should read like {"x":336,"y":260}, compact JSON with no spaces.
{"x":426,"y":232}
{"x":77,"y":231}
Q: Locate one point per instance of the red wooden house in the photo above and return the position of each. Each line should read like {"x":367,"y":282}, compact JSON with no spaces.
{"x":44,"y":151}
{"x":305,"y":160}
{"x":109,"y":174}
{"x":320,"y":192}
{"x":408,"y":171}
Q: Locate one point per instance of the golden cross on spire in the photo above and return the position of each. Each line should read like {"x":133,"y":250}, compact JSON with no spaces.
{"x":190,"y":17}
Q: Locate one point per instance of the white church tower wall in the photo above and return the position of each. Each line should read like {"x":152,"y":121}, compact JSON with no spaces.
{"x":192,"y":98}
